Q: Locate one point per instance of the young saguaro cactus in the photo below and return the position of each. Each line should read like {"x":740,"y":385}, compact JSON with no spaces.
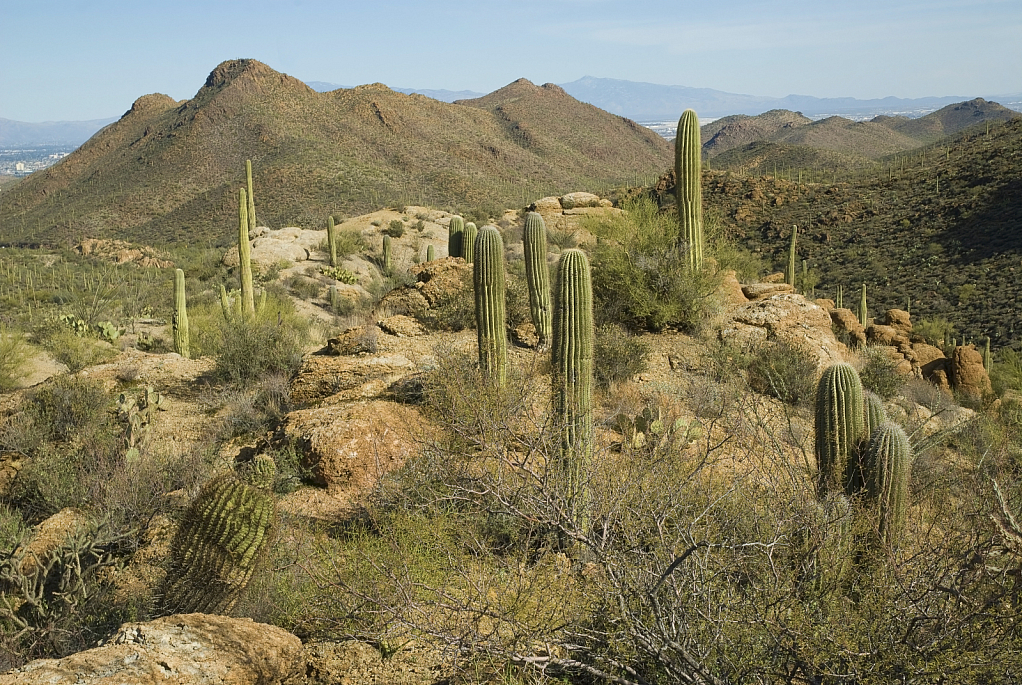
{"x":863,"y":311}
{"x":873,"y":416}
{"x":454,"y":236}
{"x":790,"y":271}
{"x":251,"y":196}
{"x":331,"y":239}
{"x":217,"y":545}
{"x":572,"y":376}
{"x":688,"y":185}
{"x":430,"y":253}
{"x":468,"y":242}
{"x":180,"y":320}
{"x":388,"y":255}
{"x":537,"y":275}
{"x":886,"y":479}
{"x":839,"y":426}
{"x":488,"y":279}
{"x":245,"y":258}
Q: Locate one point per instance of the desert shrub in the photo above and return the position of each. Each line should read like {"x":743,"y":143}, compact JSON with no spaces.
{"x":303,"y":287}
{"x":395,"y":229}
{"x":456,"y":310}
{"x":1006,"y":374}
{"x":253,"y":410}
{"x":562,"y":239}
{"x":13,"y":357}
{"x":516,"y":294}
{"x":339,"y":274}
{"x":69,"y":406}
{"x":878,"y":373}
{"x":349,"y":242}
{"x":74,"y":351}
{"x":617,"y":355}
{"x":272,"y":343}
{"x":783,"y":370}
{"x":936,"y":331}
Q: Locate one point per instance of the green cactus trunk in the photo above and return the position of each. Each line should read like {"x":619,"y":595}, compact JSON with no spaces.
{"x":468,"y":242}
{"x":839,"y":427}
{"x":180,"y":320}
{"x":245,"y":258}
{"x":225,"y":304}
{"x":430,"y":253}
{"x":688,"y":185}
{"x":488,"y":279}
{"x":455,"y":235}
{"x":839,"y":302}
{"x":988,"y":360}
{"x":873,"y":415}
{"x":863,"y":311}
{"x":537,"y":275}
{"x":251,"y":196}
{"x":790,"y":271}
{"x":572,"y":376}
{"x":387,"y":255}
{"x":886,"y":475}
{"x":331,"y":239}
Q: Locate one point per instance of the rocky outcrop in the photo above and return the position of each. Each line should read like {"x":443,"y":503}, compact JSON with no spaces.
{"x":968,"y":375}
{"x":121,"y":252}
{"x":186,"y":649}
{"x":284,"y":245}
{"x":759,"y":291}
{"x":347,"y":377}
{"x":847,"y":324}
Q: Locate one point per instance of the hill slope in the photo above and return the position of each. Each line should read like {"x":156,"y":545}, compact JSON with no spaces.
{"x":169,"y":171}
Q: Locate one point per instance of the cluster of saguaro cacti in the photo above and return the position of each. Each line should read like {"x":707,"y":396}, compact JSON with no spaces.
{"x":468,"y":242}
{"x":180,"y":319}
{"x":572,"y":376}
{"x":688,"y":185}
{"x":218,"y":543}
{"x":455,"y":235}
{"x":245,"y":257}
{"x":537,"y":275}
{"x":388,"y":255}
{"x":789,"y":273}
{"x":488,"y":281}
{"x":331,"y":240}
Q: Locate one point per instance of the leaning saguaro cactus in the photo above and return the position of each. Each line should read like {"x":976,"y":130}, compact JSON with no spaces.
{"x":468,"y":242}
{"x":180,"y":320}
{"x":488,"y":280}
{"x":839,"y":426}
{"x":388,"y":255}
{"x":790,"y":271}
{"x":886,"y":475}
{"x":572,"y":376}
{"x":688,"y":185}
{"x":245,"y":258}
{"x":455,"y":236}
{"x":218,"y":544}
{"x":331,"y":239}
{"x":251,"y":196}
{"x":537,"y":275}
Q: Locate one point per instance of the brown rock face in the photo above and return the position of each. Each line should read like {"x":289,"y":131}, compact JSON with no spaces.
{"x":730,"y":289}
{"x":786,"y":317}
{"x":930,"y":360}
{"x":776,"y":277}
{"x":322,"y":376}
{"x":899,"y":320}
{"x":186,"y":649}
{"x":440,"y":279}
{"x":846,"y":322}
{"x":878,"y":334}
{"x":968,"y":376}
{"x":758,"y":291}
{"x":401,"y":326}
{"x":349,"y":447}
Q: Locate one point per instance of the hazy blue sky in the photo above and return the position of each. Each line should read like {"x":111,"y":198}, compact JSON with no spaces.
{"x":89,"y":59}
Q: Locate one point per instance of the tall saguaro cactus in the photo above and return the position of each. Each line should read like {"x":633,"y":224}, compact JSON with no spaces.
{"x":455,"y":234}
{"x":537,"y":275}
{"x":839,"y":427}
{"x":488,"y":279}
{"x":251,"y":196}
{"x":468,"y":242}
{"x":863,"y":311}
{"x":331,"y":239}
{"x":180,"y":320}
{"x":790,"y":271}
{"x":886,"y":475}
{"x":245,"y":258}
{"x":572,"y":376}
{"x":388,"y":255}
{"x":688,"y":185}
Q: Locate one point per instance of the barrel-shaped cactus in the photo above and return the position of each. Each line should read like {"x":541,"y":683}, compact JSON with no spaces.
{"x":886,"y":478}
{"x":388,"y":255}
{"x":245,"y":258}
{"x":455,"y":235}
{"x":180,"y":319}
{"x":537,"y":275}
{"x":688,"y":185}
{"x":572,"y":375}
{"x":217,"y":546}
{"x":790,"y":271}
{"x":251,"y":196}
{"x":468,"y":242}
{"x":331,"y":239}
{"x":839,"y":427}
{"x":488,"y":280}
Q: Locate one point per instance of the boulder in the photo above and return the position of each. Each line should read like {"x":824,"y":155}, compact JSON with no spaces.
{"x":786,"y":317}
{"x":360,"y":340}
{"x":879,"y":334}
{"x":927,"y":360}
{"x":186,"y":649}
{"x":776,"y":277}
{"x":968,"y":375}
{"x":825,"y":303}
{"x":322,"y":376}
{"x":439,"y":280}
{"x":899,"y":320}
{"x":349,"y":447}
{"x":730,"y":290}
{"x":546,"y":205}
{"x":575,"y":200}
{"x":401,"y":326}
{"x":270,"y":247}
{"x":758,"y":291}
{"x":846,"y":322}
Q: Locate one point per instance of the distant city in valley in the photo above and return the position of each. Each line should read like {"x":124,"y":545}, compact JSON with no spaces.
{"x":22,"y":161}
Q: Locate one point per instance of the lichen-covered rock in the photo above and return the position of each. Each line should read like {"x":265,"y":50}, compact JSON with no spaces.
{"x":441,"y":279}
{"x":270,"y":247}
{"x":580,"y":199}
{"x":546,"y":205}
{"x":758,"y":291}
{"x":786,"y":317}
{"x":322,"y":376}
{"x":401,"y":326}
{"x":185,"y":649}
{"x":898,"y":319}
{"x":968,"y":375}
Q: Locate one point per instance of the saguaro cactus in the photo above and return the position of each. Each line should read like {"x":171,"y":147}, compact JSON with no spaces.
{"x":331,"y":239}
{"x":537,"y":275}
{"x":863,"y":311}
{"x":839,"y":427}
{"x":251,"y":196}
{"x":790,"y":271}
{"x":886,"y":474}
{"x":245,"y":257}
{"x":387,"y":255}
{"x":572,"y":376}
{"x":180,"y":320}
{"x":468,"y":242}
{"x":454,"y":236}
{"x":430,"y":253}
{"x":688,"y":185}
{"x":217,"y":545}
{"x":488,"y":279}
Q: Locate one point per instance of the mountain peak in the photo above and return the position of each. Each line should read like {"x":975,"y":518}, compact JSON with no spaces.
{"x":151,"y":103}
{"x":232,"y":69}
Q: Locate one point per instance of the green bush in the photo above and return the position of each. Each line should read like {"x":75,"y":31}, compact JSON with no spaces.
{"x":303,"y":287}
{"x":69,"y":406}
{"x":617,"y":355}
{"x":395,"y":229}
{"x":272,"y":343}
{"x":878,"y":373}
{"x":784,"y":370}
{"x":937,"y":331}
{"x":13,"y":356}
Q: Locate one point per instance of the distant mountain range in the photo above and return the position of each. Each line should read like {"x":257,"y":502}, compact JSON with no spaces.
{"x":20,"y":133}
{"x":441,"y":95}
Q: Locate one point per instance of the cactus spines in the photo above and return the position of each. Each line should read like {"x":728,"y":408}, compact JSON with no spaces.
{"x":455,"y":236}
{"x":863,"y":311}
{"x":572,"y":376}
{"x":488,"y":281}
{"x":468,"y":242}
{"x":874,"y":415}
{"x":886,"y":474}
{"x":217,"y":546}
{"x":251,"y":196}
{"x":537,"y":275}
{"x":180,"y":320}
{"x":262,"y":472}
{"x":387,"y":255}
{"x":245,"y":257}
{"x":331,"y":239}
{"x":839,"y":426}
{"x":688,"y":185}
{"x":790,"y":271}
{"x":430,"y":253}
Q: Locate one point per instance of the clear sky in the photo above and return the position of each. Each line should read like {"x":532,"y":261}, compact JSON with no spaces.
{"x":90,"y":59}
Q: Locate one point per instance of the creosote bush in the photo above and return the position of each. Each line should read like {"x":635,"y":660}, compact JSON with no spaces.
{"x":878,"y":373}
{"x":272,"y":343}
{"x":783,"y":370}
{"x":618,"y":355}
